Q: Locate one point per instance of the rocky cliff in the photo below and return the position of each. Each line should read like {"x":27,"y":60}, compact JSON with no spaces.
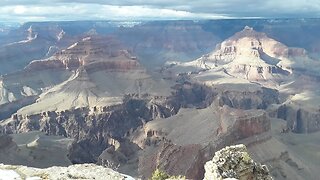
{"x":84,"y":74}
{"x":299,"y":119}
{"x":251,"y":55}
{"x":83,"y":171}
{"x":92,"y":127}
{"x":106,"y":134}
{"x":243,"y":99}
{"x":84,"y":52}
{"x":230,"y":162}
{"x":165,"y":144}
{"x":234,"y":162}
{"x":250,"y":59}
{"x":123,"y":117}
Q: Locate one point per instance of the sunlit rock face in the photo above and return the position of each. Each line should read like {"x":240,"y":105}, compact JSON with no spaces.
{"x":168,"y":40}
{"x":90,"y":67}
{"x":251,"y":55}
{"x":85,"y":52}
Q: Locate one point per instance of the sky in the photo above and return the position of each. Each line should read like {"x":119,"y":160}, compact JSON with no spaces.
{"x":56,"y":10}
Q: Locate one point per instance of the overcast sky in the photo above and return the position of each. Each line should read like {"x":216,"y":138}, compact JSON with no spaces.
{"x":46,"y":10}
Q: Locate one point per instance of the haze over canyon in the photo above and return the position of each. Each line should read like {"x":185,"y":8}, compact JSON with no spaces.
{"x":141,"y":96}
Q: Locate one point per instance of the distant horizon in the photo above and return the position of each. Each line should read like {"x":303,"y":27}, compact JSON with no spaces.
{"x":155,"y":20}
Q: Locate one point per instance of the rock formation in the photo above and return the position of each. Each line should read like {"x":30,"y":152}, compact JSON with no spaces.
{"x":250,"y":55}
{"x":299,"y":119}
{"x":80,"y":171}
{"x":83,"y":52}
{"x":92,"y":127}
{"x":234,"y":162}
{"x":121,"y":116}
{"x":243,"y":99}
{"x":165,"y":144}
{"x":230,"y":162}
{"x":238,"y":72}
{"x":172,"y":159}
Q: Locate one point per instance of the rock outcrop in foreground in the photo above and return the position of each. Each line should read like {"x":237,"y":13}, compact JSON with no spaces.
{"x":231,"y":162}
{"x":234,"y":162}
{"x":80,"y":171}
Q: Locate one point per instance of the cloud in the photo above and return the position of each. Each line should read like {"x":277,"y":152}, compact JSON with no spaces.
{"x":140,"y":12}
{"x":78,"y":11}
{"x":19,"y":10}
{"x":155,"y":9}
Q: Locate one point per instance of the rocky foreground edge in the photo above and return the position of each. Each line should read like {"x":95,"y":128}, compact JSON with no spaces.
{"x":79,"y":171}
{"x":232,"y":162}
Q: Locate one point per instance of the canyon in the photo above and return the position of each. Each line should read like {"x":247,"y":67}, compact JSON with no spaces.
{"x":101,"y":96}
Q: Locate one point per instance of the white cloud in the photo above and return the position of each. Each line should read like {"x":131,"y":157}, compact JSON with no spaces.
{"x":19,"y":10}
{"x":141,"y":12}
{"x":96,"y":12}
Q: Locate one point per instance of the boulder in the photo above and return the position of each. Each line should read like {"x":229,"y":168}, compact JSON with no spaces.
{"x":234,"y":162}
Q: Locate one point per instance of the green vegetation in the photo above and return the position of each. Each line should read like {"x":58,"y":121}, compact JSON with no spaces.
{"x":160,"y":175}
